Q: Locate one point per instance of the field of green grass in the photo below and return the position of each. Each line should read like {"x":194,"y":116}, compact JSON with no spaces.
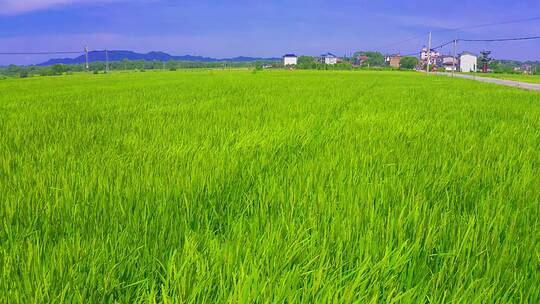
{"x":516,"y":77}
{"x":272,"y":186}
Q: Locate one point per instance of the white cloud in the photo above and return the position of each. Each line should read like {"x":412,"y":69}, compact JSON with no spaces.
{"x":15,"y":7}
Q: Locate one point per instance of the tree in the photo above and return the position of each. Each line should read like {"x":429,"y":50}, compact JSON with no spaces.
{"x":171,"y":65}
{"x":342,"y":66}
{"x":13,"y":70}
{"x":23,"y":74}
{"x":374,"y":58}
{"x":408,"y":63}
{"x":306,"y":62}
{"x":58,"y":69}
{"x":126,"y":64}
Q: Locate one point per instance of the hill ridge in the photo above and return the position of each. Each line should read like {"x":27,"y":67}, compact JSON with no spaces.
{"x":119,"y":55}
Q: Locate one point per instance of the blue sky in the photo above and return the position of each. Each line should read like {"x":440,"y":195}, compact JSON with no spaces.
{"x":222,"y":28}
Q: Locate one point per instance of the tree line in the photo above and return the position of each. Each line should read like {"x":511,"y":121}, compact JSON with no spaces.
{"x":371,"y":60}
{"x":375,"y":60}
{"x":140,"y":65}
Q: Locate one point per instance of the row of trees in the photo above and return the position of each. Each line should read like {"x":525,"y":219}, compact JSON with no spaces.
{"x":508,"y":66}
{"x":96,"y":67}
{"x":374,"y":60}
{"x":409,"y":63}
{"x":25,"y":71}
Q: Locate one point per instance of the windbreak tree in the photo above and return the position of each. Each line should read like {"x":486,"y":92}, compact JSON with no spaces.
{"x":306,"y":62}
{"x":58,"y":69}
{"x":408,"y":63}
{"x":374,"y":58}
{"x":171,"y":65}
{"x":13,"y":70}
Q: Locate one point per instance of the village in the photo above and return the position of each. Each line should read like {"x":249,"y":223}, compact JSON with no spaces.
{"x":465,"y":62}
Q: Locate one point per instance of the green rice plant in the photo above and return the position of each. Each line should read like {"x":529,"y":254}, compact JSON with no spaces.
{"x":276,"y":186}
{"x":515,"y":77}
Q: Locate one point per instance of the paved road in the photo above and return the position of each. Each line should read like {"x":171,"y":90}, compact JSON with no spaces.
{"x":510,"y":83}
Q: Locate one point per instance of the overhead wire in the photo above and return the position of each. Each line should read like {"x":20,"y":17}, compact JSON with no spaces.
{"x":386,"y":46}
{"x":501,"y":40}
{"x":487,"y":25}
{"x":41,"y":53}
{"x":471,"y":27}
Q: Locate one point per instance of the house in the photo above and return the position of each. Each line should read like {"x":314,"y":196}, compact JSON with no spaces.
{"x":329,"y":58}
{"x":360,"y":60}
{"x":527,"y":69}
{"x":434,"y":57}
{"x":290,"y":59}
{"x":394,"y":61}
{"x":468,"y":62}
{"x":450,"y":63}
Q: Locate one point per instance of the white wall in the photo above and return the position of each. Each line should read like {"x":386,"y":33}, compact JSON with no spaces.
{"x":467,"y":63}
{"x":449,"y":60}
{"x":330,"y":60}
{"x":290,"y":60}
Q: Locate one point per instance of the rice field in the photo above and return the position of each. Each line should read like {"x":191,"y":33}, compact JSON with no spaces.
{"x":516,"y":77}
{"x":268,"y":187}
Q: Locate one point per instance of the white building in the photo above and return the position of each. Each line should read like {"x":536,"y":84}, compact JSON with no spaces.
{"x":450,"y":63}
{"x":290,"y":59}
{"x":329,"y":58}
{"x":467,"y":62}
{"x":433,"y":56}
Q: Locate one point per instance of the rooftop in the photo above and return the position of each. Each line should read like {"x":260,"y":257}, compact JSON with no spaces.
{"x":468,"y":53}
{"x":328,"y":55}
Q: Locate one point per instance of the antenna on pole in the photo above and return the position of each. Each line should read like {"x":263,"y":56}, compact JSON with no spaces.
{"x":106,"y":61}
{"x":429,"y":53}
{"x":485,"y":61}
{"x":454,"y":59}
{"x":86,"y":57}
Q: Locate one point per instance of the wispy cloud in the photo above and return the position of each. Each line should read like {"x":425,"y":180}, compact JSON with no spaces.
{"x":15,"y":7}
{"x":463,"y":24}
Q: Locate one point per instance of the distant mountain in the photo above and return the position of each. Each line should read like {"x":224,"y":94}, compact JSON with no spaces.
{"x":158,"y":56}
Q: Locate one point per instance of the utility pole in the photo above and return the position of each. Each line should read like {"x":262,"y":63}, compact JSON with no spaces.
{"x":106,"y":61}
{"x":454,"y":59}
{"x":429,"y":53}
{"x":86,"y":55}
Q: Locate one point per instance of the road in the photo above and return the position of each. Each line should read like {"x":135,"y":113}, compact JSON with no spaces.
{"x":510,"y":83}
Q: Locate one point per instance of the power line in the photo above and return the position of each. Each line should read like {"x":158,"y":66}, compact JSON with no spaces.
{"x":488,"y":24}
{"x":501,"y":40}
{"x":485,"y":40}
{"x":433,"y":48}
{"x":411,"y":54}
{"x":477,"y":40}
{"x":400,"y":42}
{"x":41,"y":53}
{"x":443,"y":45}
{"x":465,"y":28}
